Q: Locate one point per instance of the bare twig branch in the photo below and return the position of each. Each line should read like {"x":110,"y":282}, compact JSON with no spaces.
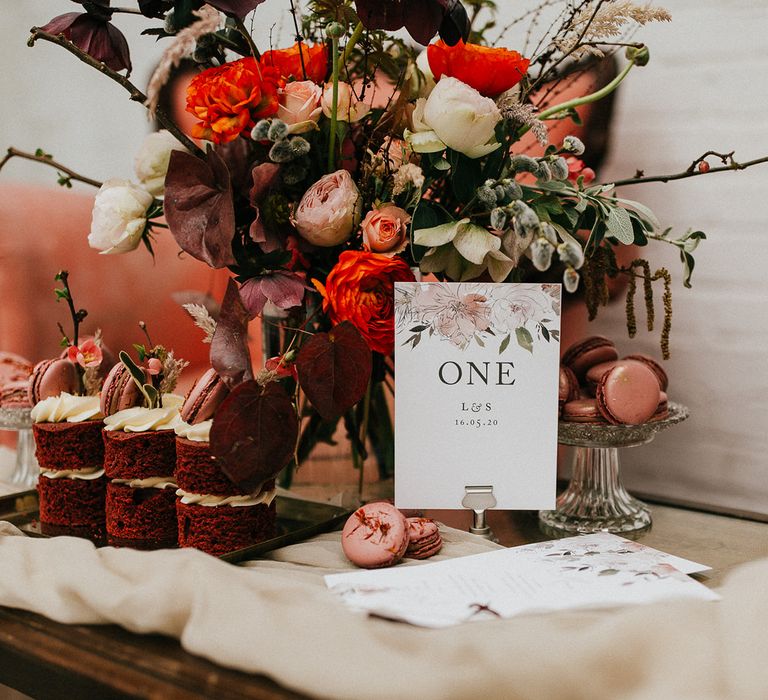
{"x":136,"y":95}
{"x":692,"y":172}
{"x":46,"y":160}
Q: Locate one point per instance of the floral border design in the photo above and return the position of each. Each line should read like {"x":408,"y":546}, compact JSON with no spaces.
{"x":461,"y":313}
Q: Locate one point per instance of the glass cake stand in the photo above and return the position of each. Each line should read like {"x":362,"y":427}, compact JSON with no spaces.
{"x":19,"y":420}
{"x":595,"y":500}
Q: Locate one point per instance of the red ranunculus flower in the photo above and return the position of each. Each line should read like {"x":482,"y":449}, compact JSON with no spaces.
{"x":577,"y":169}
{"x":490,"y":71}
{"x":228,"y":99}
{"x":287,"y":62}
{"x":360,"y":289}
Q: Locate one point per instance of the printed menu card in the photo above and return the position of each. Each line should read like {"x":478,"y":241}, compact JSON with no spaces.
{"x":477,"y":367}
{"x":588,"y":571}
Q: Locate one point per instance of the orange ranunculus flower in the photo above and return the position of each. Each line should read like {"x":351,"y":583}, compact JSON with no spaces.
{"x":360,"y":289}
{"x":490,"y":71}
{"x":287,"y":62}
{"x":228,"y":99}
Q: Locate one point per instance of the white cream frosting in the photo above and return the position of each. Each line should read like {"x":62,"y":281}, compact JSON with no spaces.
{"x":66,"y":408}
{"x":87,"y":474}
{"x":152,"y":482}
{"x":201,"y":499}
{"x":198,"y":432}
{"x":139,"y":419}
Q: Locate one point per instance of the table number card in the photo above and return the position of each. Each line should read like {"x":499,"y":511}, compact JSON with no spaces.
{"x":477,"y":369}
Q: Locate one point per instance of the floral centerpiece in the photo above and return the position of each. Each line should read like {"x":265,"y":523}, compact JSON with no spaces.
{"x":321,"y":173}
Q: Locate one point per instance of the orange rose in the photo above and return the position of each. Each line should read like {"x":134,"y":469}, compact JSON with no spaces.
{"x":287,"y":62}
{"x":360,"y":289}
{"x":490,"y":71}
{"x":228,"y":99}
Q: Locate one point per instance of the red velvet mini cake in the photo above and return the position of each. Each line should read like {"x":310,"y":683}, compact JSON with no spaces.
{"x":214,"y":514}
{"x":139,"y":459}
{"x":67,"y":432}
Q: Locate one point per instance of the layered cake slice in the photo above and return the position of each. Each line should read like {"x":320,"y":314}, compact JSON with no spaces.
{"x":139,"y":460}
{"x":70,"y":452}
{"x":214,"y":514}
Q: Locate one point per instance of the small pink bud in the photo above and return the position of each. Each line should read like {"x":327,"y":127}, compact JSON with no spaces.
{"x":154,"y":366}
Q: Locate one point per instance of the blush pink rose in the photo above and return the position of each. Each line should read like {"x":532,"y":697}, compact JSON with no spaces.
{"x":300,"y":106}
{"x":348,"y":107}
{"x":385,"y":230}
{"x":329,"y":210}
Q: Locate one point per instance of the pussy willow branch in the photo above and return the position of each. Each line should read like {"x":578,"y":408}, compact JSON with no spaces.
{"x":15,"y":153}
{"x":689,"y":173}
{"x":136,"y":95}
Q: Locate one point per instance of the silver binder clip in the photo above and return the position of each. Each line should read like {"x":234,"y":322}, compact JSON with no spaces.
{"x":479,"y":499}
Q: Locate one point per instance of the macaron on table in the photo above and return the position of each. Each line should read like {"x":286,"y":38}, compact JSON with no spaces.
{"x":606,"y":403}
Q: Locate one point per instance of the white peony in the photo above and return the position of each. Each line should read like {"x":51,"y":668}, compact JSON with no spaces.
{"x":119,"y":216}
{"x":151,"y":162}
{"x":455,"y":115}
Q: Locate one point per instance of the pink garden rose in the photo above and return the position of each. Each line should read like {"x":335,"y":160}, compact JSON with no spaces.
{"x":300,"y":106}
{"x":329,"y":210}
{"x":385,"y":230}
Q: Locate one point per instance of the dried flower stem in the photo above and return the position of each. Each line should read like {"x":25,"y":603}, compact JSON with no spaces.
{"x":136,"y":95}
{"x":71,"y":174}
{"x":247,"y":35}
{"x":733,"y":165}
{"x":663,"y":274}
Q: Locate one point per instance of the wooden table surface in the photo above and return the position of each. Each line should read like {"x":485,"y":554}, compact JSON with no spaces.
{"x":50,"y":660}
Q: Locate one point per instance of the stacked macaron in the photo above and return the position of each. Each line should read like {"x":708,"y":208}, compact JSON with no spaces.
{"x":139,"y":460}
{"x":378,"y":535}
{"x":70,"y":452}
{"x":14,"y":380}
{"x":627,"y":391}
{"x":214,"y":514}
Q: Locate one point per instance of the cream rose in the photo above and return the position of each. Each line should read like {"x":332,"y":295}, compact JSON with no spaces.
{"x":151,"y":162}
{"x":454,"y":115}
{"x":329,"y":210}
{"x":300,"y":106}
{"x":385,"y":230}
{"x":119,"y":216}
{"x":349,"y":108}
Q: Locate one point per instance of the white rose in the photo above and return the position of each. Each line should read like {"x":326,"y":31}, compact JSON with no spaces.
{"x":119,"y":216}
{"x":455,"y":115}
{"x":348,"y":107}
{"x":151,"y":162}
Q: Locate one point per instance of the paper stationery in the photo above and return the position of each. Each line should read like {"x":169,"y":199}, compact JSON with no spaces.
{"x":477,"y":384}
{"x":590,"y":571}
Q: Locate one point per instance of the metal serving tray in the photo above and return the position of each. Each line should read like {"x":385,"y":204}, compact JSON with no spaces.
{"x":297,"y":520}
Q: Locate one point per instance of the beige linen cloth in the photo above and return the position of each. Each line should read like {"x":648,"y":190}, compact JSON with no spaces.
{"x":276,"y":617}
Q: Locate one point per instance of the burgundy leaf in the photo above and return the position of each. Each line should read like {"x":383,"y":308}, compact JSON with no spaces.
{"x":422,"y":18}
{"x":334,"y":369}
{"x":254,"y":433}
{"x":264,"y":178}
{"x":229,"y":347}
{"x":239,"y":8}
{"x":455,"y":24}
{"x":198,"y":207}
{"x":284,"y":289}
{"x":238,"y":157}
{"x":93,"y":34}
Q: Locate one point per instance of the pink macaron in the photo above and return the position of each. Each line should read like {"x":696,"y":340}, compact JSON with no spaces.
{"x":119,"y":391}
{"x":13,"y":367}
{"x":653,"y":365}
{"x":375,"y":535}
{"x":51,"y":378}
{"x":628,"y":393}
{"x":204,"y":398}
{"x":424,"y":538}
{"x":589,"y":352}
{"x":15,"y":394}
{"x":582,"y":411}
{"x":568,"y":389}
